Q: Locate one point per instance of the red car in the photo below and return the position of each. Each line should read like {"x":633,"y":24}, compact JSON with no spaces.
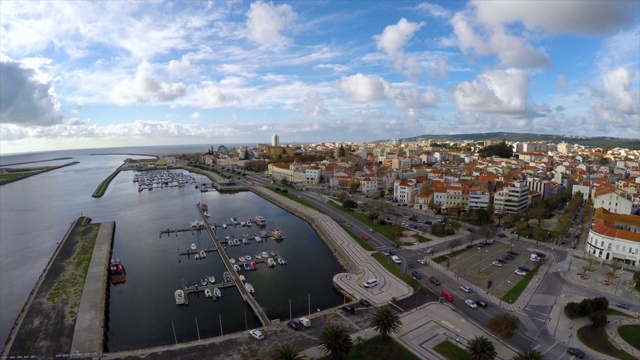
{"x":364,"y":237}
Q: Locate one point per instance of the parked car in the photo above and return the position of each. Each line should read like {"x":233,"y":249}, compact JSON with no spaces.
{"x":577,"y":352}
{"x":520,"y":272}
{"x":623,"y":305}
{"x":490,"y":241}
{"x":502,"y":235}
{"x":471,"y":303}
{"x":294,"y":325}
{"x":513,"y":253}
{"x":497,"y":263}
{"x":416,"y":275}
{"x":349,"y":309}
{"x":365,"y":302}
{"x":482,"y":245}
{"x":465,"y":289}
{"x":257,"y":334}
{"x":434,"y":281}
{"x":422,"y":261}
{"x":524,"y":268}
{"x":305,"y":322}
{"x":481,"y":303}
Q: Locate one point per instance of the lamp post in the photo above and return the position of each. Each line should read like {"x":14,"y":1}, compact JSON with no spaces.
{"x":479,"y":259}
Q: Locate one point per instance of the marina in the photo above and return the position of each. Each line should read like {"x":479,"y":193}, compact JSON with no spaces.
{"x":182,"y":294}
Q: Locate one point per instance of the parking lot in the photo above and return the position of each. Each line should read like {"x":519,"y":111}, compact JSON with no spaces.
{"x":477,"y":266}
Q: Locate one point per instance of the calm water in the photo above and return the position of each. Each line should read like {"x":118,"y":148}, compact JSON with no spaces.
{"x":36,"y":212}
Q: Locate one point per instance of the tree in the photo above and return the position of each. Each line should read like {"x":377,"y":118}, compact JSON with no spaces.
{"x":539,"y":211}
{"x":481,"y":348}
{"x":614,"y":268}
{"x":354,"y":187}
{"x":385,"y":320}
{"x":504,"y":325}
{"x":530,"y":354}
{"x":636,"y":278}
{"x":598,"y":319}
{"x":488,"y":231}
{"x":349,"y":204}
{"x":287,"y":352}
{"x":341,"y":151}
{"x":336,"y":341}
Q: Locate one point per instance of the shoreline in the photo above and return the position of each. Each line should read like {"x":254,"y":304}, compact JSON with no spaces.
{"x":38,"y":161}
{"x":8,"y":181}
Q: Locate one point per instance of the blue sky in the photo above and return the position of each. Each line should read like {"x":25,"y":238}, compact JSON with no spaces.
{"x":102,"y":74}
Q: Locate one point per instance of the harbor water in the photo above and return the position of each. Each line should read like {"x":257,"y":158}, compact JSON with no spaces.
{"x":37,"y":211}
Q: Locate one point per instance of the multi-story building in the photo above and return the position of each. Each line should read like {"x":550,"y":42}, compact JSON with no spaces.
{"x":275,"y":140}
{"x":512,"y":198}
{"x":479,"y":198}
{"x":614,"y":200}
{"x":615,"y":237}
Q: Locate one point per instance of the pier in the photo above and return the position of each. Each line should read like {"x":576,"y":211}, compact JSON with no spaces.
{"x":196,"y":289}
{"x":234,"y":275}
{"x":190,"y":252}
{"x":176,"y":231}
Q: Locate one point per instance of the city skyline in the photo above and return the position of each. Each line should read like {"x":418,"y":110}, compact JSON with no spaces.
{"x":108,"y":74}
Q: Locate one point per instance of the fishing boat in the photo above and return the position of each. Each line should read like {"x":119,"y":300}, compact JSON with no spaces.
{"x":216,"y":292}
{"x":226,"y":277}
{"x":212,"y":279}
{"x":207,"y":293}
{"x":179,"y":296}
{"x":117,"y":272}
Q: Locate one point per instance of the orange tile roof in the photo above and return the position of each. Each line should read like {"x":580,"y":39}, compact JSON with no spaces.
{"x":606,"y":228}
{"x":602,"y":213}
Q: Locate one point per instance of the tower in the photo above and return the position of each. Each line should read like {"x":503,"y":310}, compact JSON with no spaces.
{"x":275,"y":140}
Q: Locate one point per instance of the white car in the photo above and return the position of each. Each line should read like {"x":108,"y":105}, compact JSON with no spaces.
{"x":422,"y":261}
{"x":471,"y":303}
{"x":257,"y":334}
{"x":520,"y":272}
{"x":497,"y":263}
{"x":465,"y":289}
{"x":396,"y":259}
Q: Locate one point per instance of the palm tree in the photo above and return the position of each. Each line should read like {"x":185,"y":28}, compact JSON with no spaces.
{"x":530,"y":354}
{"x":287,"y":352}
{"x":480,"y":348}
{"x":385,"y":321}
{"x":336,"y":341}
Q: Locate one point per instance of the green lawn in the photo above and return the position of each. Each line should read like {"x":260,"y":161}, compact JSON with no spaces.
{"x":451,"y":351}
{"x":393,"y":268}
{"x":378,"y":349}
{"x":7,"y":176}
{"x":105,"y":183}
{"x":630,"y":334}
{"x":597,"y":339}
{"x":512,"y":295}
{"x":442,"y":258}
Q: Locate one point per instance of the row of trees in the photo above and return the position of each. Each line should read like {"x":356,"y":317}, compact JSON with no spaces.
{"x":593,"y":308}
{"x":481,"y":348}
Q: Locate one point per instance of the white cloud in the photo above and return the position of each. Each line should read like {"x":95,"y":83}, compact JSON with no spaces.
{"x":145,"y":87}
{"x":502,"y":92}
{"x":266,"y":22}
{"x":433,"y":10}
{"x":334,"y":67}
{"x":313,"y":104}
{"x":363,"y":88}
{"x":26,"y":98}
{"x":412,"y":99}
{"x":181,"y":68}
{"x":392,"y":42}
{"x":195,"y":115}
{"x":617,"y":84}
{"x":566,"y":16}
{"x":561,"y":83}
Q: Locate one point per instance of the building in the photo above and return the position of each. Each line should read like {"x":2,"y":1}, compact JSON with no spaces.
{"x":614,"y":200}
{"x":512,"y":198}
{"x":615,"y":237}
{"x":479,"y":198}
{"x":275,"y":140}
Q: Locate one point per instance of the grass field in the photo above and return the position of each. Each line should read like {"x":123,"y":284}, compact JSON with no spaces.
{"x":630,"y":334}
{"x":393,"y":268}
{"x":8,"y":176}
{"x":597,"y":339}
{"x":451,"y":351}
{"x":512,"y":295}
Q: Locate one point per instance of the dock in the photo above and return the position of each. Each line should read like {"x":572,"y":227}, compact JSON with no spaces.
{"x":190,"y":252}
{"x":195,"y":289}
{"x":234,"y":275}
{"x":176,"y":231}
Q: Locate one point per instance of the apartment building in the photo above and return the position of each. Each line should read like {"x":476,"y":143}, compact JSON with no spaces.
{"x":512,"y":198}
{"x":615,"y":237}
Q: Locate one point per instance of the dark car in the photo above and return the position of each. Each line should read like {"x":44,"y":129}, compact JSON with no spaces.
{"x":433,"y":280}
{"x":481,"y":303}
{"x":428,"y":222}
{"x":524,"y":268}
{"x":512,"y":253}
{"x":365,"y":302}
{"x":502,"y":235}
{"x":501,"y":261}
{"x":623,"y":305}
{"x":577,"y":352}
{"x":395,"y":245}
{"x":416,"y":275}
{"x":349,"y":309}
{"x":541,"y":255}
{"x":506,"y":259}
{"x":482,"y":245}
{"x":294,"y":325}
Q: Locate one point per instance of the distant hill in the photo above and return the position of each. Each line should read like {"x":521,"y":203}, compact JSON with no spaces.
{"x":597,"y":141}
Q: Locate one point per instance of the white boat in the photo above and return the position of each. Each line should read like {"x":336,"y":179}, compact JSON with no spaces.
{"x":227,"y":237}
{"x":242,"y":278}
{"x":236,"y":242}
{"x":281,"y":261}
{"x":258,"y":256}
{"x":197,"y":256}
{"x":234,"y":221}
{"x":194,"y":224}
{"x":207,"y":214}
{"x":241,"y":258}
{"x":242,"y":223}
{"x":245,"y":241}
{"x":237,"y":268}
{"x":271,"y":262}
{"x":247,"y":257}
{"x":212,"y":279}
{"x":224,"y":226}
{"x":193,"y":246}
{"x":249,"y":223}
{"x":179,"y":295}
{"x":264,"y":254}
{"x":203,"y":254}
{"x":258,"y":239}
{"x":207,"y":293}
{"x":273,"y":253}
{"x":261,"y":221}
{"x":216,"y":292}
{"x":226,"y":277}
{"x":249,"y":288}
{"x":203,"y":281}
{"x":232,"y":260}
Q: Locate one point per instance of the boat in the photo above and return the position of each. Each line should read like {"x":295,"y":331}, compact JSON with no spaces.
{"x":245,"y":235}
{"x":224,"y":226}
{"x":261,"y":221}
{"x":216,"y":292}
{"x":241,"y":258}
{"x":117,"y":272}
{"x":234,"y":221}
{"x":258,"y":239}
{"x":281,"y":261}
{"x":248,"y":257}
{"x":247,"y":266}
{"x":212,"y":279}
{"x":254,"y":265}
{"x":242,"y":278}
{"x":203,"y":254}
{"x":258,"y":256}
{"x":140,"y":189}
{"x":271,"y":262}
{"x":237,"y":268}
{"x":207,"y":293}
{"x":193,"y":246}
{"x":194,"y":224}
{"x":264,"y":254}
{"x":242,"y":223}
{"x":232,"y":260}
{"x":276,"y":234}
{"x":197,"y":256}
{"x":245,"y":241}
{"x":273,"y":253}
{"x":236,"y":242}
{"x":226,"y":277}
{"x":227,"y":237}
{"x":179,"y":295}
{"x":207,"y":214}
{"x":203,"y":281}
{"x":249,"y":288}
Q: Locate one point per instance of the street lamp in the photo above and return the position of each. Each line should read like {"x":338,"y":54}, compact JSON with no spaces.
{"x":479,"y":259}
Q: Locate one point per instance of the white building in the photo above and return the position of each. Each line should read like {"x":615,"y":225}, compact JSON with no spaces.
{"x":275,"y":140}
{"x":614,"y":200}
{"x":512,"y":199}
{"x":479,"y":198}
{"x":615,"y":237}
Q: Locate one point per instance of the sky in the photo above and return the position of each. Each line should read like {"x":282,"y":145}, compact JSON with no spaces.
{"x":82,"y":74}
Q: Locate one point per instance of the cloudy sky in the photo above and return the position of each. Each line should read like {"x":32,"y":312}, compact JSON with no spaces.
{"x":115,"y":73}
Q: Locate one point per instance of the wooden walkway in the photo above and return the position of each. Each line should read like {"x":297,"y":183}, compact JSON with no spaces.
{"x":234,"y":275}
{"x":176,"y":231}
{"x":188,"y":289}
{"x":190,"y":252}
